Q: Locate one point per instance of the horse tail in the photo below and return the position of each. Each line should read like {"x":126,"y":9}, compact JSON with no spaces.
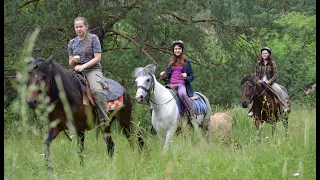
{"x":206,"y":118}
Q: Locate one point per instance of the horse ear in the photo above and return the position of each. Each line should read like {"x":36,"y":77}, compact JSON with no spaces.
{"x":151,"y":68}
{"x":30,"y":62}
{"x":31,"y":59}
{"x":51,"y":57}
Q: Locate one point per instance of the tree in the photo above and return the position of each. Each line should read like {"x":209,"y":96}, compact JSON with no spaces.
{"x":222,"y":38}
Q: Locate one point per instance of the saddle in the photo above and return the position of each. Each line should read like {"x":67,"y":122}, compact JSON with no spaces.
{"x":284,"y":91}
{"x":86,"y":92}
{"x":270,"y":90}
{"x":113,"y":92}
{"x":198,"y":103}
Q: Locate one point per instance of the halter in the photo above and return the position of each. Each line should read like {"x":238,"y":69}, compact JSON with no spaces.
{"x":149,"y":91}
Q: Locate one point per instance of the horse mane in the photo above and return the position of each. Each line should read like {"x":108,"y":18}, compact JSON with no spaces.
{"x":149,"y":69}
{"x":246,"y":78}
{"x":140,"y":71}
{"x":70,"y":81}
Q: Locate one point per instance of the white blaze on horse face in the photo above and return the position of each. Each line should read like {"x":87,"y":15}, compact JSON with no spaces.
{"x":141,"y":94}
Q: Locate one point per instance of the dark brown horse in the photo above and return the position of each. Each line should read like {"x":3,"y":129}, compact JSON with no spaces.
{"x":75,"y":114}
{"x":265,"y":108}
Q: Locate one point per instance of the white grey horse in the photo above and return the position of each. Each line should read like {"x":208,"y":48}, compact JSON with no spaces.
{"x":165,"y":104}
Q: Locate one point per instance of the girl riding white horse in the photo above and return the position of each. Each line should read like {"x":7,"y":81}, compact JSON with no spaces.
{"x":165,"y":104}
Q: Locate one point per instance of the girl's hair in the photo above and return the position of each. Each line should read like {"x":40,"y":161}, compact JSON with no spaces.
{"x":85,"y":22}
{"x":177,"y":60}
{"x":269,"y":59}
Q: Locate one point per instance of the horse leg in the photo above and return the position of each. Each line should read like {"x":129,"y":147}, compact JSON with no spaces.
{"x":128,"y":129}
{"x":258,"y":126}
{"x":108,"y":140}
{"x":285,"y":125}
{"x":52,"y":134}
{"x":152,"y":130}
{"x":81,"y":146}
{"x":140,"y":140}
{"x":205,"y":128}
{"x":166,"y":143}
{"x":273,"y":127}
{"x":206,"y":135}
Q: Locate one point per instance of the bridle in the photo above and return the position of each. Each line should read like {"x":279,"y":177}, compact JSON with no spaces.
{"x":151,"y":90}
{"x":254,"y":94}
{"x":47,"y":81}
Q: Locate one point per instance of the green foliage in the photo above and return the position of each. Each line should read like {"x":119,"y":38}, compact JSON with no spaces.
{"x":296,"y":52}
{"x":221,"y":49}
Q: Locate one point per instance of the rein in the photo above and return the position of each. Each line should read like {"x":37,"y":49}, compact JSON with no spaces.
{"x":256,"y":91}
{"x":160,"y":104}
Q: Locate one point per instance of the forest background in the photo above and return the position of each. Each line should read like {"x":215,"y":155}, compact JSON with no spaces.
{"x":222,"y":38}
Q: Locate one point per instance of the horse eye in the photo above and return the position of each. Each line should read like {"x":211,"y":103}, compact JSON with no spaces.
{"x":148,"y":80}
{"x":43,"y":76}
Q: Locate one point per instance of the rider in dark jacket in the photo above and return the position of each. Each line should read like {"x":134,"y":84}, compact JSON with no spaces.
{"x":179,"y":74}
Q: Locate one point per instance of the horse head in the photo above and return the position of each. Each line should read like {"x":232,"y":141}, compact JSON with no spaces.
{"x":39,"y":77}
{"x":247,"y":88}
{"x":144,"y":78}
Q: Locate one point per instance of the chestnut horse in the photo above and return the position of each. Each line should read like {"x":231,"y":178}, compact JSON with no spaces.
{"x":75,"y":111}
{"x":265,"y":107}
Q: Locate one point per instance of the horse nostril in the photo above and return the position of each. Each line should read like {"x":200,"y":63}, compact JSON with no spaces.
{"x":244,"y":104}
{"x":141,"y":97}
{"x":32,"y":103}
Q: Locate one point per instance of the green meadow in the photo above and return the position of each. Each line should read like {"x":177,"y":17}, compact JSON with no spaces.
{"x":189,"y":155}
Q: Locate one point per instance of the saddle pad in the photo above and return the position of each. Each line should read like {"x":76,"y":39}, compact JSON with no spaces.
{"x":198,"y":104}
{"x":115,"y":90}
{"x":115,"y":104}
{"x":284,"y":91}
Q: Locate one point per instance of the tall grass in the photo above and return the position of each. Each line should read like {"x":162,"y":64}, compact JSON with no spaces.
{"x":189,"y":157}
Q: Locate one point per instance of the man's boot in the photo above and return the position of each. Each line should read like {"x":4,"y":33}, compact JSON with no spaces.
{"x":102,"y":107}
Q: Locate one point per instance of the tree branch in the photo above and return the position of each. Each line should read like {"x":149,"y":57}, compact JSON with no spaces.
{"x":157,"y":48}
{"x":9,"y":77}
{"x":18,"y":9}
{"x":134,"y":42}
{"x":124,"y":11}
{"x":185,"y":20}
